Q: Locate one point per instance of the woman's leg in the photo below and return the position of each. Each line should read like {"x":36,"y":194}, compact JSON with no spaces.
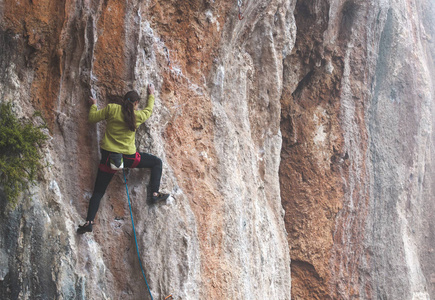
{"x":155,"y":164}
{"x":101,"y":183}
{"x":104,"y":176}
{"x":147,"y":161}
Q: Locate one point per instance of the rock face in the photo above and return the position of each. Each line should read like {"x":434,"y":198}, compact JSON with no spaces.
{"x":216,"y":126}
{"x":356,"y":172}
{"x":297,"y":145}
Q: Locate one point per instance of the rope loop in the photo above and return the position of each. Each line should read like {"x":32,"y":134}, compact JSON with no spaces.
{"x":135,"y":238}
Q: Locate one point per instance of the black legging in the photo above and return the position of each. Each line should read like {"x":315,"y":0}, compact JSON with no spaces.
{"x":104,"y":176}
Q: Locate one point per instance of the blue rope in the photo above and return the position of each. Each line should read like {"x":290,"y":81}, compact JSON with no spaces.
{"x":135,"y":239}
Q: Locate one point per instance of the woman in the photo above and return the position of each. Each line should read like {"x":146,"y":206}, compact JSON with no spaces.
{"x":118,"y":149}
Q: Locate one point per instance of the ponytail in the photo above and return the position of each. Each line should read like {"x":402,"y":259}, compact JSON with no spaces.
{"x":128,"y":109}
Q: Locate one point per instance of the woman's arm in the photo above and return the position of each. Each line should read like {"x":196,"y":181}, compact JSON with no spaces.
{"x":96,"y":115}
{"x":144,"y":114}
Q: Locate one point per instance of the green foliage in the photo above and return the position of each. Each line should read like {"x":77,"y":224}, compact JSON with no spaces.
{"x":19,"y":152}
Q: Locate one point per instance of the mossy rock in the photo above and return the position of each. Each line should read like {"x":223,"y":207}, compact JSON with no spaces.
{"x":20,"y":158}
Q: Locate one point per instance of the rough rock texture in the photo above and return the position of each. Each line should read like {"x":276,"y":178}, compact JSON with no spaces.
{"x":216,"y":126}
{"x":356,"y":172}
{"x":321,"y":107}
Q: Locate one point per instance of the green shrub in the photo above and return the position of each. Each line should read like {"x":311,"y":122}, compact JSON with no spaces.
{"x":20,"y":158}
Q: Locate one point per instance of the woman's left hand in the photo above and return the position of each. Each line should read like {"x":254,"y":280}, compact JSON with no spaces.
{"x":151,"y":89}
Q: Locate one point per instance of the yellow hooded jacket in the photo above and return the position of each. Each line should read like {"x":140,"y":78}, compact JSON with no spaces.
{"x":118,"y":138}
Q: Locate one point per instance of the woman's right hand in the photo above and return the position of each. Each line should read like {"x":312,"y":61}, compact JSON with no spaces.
{"x":92,"y":101}
{"x":151,"y":89}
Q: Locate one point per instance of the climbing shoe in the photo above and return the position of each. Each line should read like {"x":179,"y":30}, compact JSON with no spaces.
{"x":87,"y":227}
{"x":160,"y":197}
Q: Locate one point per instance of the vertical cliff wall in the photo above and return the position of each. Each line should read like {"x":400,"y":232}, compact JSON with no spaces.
{"x":356,"y":171}
{"x":297,"y":145}
{"x":216,"y":125}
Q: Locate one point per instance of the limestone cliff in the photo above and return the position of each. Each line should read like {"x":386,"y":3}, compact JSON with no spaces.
{"x":356,"y":172}
{"x":297,"y":143}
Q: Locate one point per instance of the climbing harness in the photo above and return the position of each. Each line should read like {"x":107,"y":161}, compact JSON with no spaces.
{"x":136,"y":160}
{"x":239,"y":4}
{"x":105,"y":167}
{"x":135,"y":239}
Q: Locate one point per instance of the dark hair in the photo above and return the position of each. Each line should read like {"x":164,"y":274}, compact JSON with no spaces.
{"x":128,"y":109}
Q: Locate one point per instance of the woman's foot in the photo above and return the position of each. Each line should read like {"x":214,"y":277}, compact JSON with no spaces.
{"x":157,"y":197}
{"x":87,"y":227}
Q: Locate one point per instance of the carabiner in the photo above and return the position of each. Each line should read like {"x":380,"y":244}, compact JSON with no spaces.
{"x":239,"y":4}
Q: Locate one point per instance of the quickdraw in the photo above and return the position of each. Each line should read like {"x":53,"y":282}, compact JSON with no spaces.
{"x":167,"y":56}
{"x":240,"y":4}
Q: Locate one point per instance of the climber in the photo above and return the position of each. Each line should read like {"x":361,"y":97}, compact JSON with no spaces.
{"x":118,"y":149}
